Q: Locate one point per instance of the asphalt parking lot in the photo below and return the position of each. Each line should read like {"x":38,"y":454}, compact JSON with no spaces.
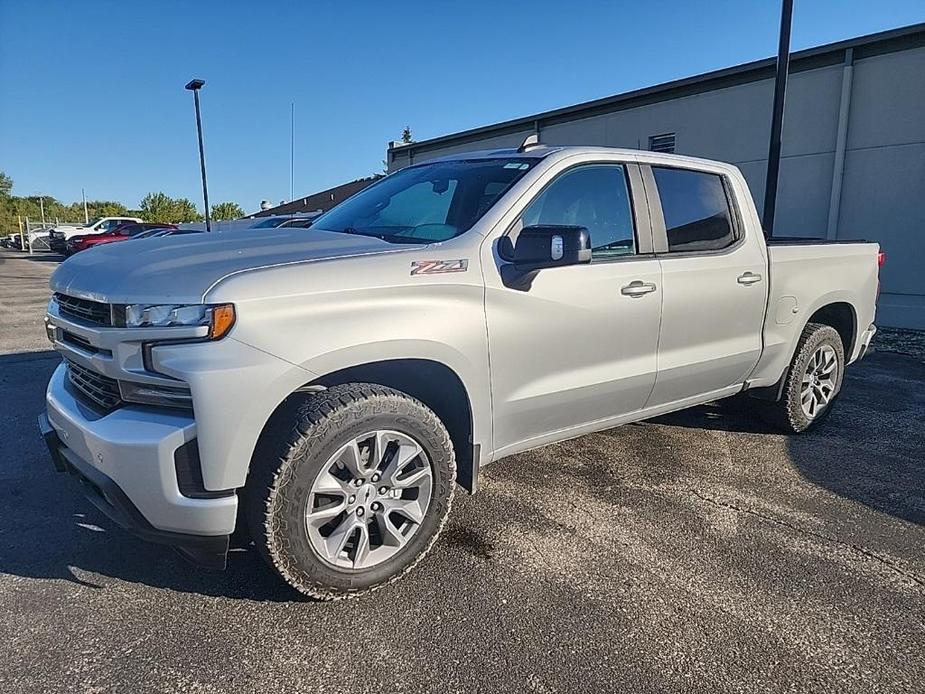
{"x":697,"y":552}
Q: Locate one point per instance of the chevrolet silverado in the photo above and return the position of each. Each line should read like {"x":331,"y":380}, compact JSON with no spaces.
{"x":324,"y":392}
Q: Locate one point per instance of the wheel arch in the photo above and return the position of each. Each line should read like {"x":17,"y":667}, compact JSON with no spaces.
{"x":841,"y":316}
{"x":838,"y":315}
{"x":432,"y":382}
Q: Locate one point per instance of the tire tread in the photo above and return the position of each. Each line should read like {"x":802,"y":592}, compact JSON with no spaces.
{"x":273,"y":462}
{"x":786,"y":414}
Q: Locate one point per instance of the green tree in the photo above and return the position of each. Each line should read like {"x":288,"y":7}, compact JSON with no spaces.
{"x":157,"y":207}
{"x":185,"y":211}
{"x":160,"y":207}
{"x":6,"y":185}
{"x":406,"y":135}
{"x":96,"y":208}
{"x":227,"y":210}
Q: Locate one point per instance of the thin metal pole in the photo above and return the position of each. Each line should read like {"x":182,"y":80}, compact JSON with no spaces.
{"x":86,"y":216}
{"x":291,"y":150}
{"x":777,"y":117}
{"x":202,"y":160}
{"x":42,"y":207}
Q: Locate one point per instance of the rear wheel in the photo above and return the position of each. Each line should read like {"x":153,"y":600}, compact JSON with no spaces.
{"x":813,"y":381}
{"x":355,"y":495}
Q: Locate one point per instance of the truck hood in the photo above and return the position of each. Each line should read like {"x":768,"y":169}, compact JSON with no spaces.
{"x":182,"y":268}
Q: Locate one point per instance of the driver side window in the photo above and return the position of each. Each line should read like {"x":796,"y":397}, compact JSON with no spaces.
{"x":595,"y":196}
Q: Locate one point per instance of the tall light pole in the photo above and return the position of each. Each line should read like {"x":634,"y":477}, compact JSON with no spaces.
{"x":194,"y":86}
{"x":777,"y":117}
{"x":291,"y":148}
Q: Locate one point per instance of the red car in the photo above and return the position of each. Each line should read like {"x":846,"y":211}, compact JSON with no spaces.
{"x":120,"y":233}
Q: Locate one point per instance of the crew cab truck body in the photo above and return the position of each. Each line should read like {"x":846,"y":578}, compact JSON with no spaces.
{"x":325,"y":389}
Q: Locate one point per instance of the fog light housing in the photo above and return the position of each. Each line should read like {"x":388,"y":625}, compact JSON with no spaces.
{"x":161,"y":396}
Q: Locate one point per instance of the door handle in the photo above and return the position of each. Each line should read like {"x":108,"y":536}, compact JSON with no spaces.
{"x":637,"y":288}
{"x":748,"y":278}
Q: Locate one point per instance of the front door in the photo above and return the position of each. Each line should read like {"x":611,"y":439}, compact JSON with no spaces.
{"x":579,"y":345}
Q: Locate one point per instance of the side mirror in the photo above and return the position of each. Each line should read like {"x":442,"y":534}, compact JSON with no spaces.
{"x":542,"y":246}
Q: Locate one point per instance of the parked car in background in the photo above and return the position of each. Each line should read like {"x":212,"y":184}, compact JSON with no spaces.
{"x":171,"y":231}
{"x":120,"y":233}
{"x":38,"y":240}
{"x":269,"y":222}
{"x":297,"y":223}
{"x":59,"y":235}
{"x":289,"y":220}
{"x":328,"y":389}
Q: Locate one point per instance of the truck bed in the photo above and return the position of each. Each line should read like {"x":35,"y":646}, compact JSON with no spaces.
{"x":805,"y":275}
{"x":809,"y":241}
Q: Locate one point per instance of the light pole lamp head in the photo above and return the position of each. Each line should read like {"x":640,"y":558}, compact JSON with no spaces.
{"x":195,"y":85}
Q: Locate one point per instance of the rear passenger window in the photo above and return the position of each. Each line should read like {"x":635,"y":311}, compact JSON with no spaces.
{"x":696,"y":210}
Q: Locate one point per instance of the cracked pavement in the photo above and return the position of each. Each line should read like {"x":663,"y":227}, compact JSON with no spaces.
{"x":695,"y":552}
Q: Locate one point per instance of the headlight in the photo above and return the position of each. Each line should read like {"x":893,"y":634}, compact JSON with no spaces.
{"x":218,"y":317}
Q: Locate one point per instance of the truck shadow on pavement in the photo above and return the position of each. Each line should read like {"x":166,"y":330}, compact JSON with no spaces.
{"x":869,"y":452}
{"x":49,"y":530}
{"x":872,"y":448}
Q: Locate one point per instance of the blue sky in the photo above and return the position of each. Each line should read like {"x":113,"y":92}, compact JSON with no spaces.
{"x":91,"y":92}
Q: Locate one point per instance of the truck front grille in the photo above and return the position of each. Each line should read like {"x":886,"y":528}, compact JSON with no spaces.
{"x":84,"y":309}
{"x":99,"y":389}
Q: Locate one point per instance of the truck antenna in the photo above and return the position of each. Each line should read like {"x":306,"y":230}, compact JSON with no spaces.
{"x":530,"y":141}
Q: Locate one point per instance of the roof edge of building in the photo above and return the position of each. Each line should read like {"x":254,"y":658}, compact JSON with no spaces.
{"x":302,"y":204}
{"x":891,"y":40}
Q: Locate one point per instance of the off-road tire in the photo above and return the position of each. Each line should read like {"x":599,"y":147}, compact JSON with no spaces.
{"x":787,"y":414}
{"x":289,"y":457}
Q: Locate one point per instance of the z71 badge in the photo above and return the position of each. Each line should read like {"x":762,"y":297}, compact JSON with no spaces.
{"x":436,"y":267}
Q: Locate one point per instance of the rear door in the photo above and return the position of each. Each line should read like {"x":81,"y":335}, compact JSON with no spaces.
{"x":714,"y":284}
{"x":579,"y":345}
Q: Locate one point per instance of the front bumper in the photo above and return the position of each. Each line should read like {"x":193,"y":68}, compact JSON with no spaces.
{"x":126,"y":462}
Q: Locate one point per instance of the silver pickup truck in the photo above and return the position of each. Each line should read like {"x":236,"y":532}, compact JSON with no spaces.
{"x":325,"y":390}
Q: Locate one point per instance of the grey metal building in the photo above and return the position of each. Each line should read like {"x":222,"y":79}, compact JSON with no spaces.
{"x":853,"y":161}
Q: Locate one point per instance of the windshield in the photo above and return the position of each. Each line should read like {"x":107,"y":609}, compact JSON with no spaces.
{"x":93,"y":222}
{"x":426,"y":203}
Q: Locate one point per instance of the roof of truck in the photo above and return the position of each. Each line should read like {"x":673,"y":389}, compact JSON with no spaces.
{"x":542,"y":151}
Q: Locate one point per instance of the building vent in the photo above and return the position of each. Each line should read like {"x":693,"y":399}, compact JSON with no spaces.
{"x":662,"y":143}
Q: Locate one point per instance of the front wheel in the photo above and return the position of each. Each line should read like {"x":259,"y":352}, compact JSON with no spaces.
{"x":355,"y":495}
{"x":813,"y":381}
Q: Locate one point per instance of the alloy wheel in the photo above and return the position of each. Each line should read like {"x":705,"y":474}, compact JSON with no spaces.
{"x":369,"y":500}
{"x":819,"y":381}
